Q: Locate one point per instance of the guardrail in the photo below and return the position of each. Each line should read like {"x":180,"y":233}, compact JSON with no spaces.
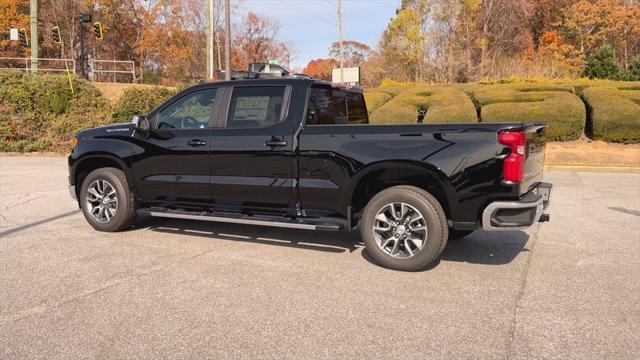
{"x":15,"y":63}
{"x":111,"y":69}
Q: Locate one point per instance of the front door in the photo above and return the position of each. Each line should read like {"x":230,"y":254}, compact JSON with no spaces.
{"x":173,"y":167}
{"x":252,"y":153}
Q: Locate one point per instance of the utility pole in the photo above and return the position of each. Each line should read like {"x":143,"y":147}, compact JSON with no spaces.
{"x":34,"y":36}
{"x":218,"y":47}
{"x":227,"y":40}
{"x":210,"y":66}
{"x":341,"y":50}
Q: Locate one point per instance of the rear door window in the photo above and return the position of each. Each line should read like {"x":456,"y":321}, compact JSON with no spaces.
{"x":256,"y":106}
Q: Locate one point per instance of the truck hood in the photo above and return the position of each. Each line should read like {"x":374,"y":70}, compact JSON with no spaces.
{"x":107,"y":131}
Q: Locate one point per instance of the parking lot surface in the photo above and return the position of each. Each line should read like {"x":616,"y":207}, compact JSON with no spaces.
{"x":185,"y":289}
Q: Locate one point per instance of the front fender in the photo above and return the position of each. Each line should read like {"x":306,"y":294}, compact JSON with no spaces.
{"x":89,"y":150}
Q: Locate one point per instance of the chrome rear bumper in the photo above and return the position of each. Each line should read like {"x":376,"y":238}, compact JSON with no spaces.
{"x":518,"y":214}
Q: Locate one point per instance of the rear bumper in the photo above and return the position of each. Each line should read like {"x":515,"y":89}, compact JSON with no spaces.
{"x":518,"y":214}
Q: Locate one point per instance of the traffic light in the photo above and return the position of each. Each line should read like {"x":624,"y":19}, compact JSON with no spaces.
{"x":22,"y":38}
{"x":55,"y":35}
{"x":97,"y":30}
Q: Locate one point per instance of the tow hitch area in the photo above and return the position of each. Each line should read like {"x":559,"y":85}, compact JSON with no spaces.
{"x":518,"y":214}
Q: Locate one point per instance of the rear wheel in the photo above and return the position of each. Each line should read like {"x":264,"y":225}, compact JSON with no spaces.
{"x":404,"y":228}
{"x":106,"y":201}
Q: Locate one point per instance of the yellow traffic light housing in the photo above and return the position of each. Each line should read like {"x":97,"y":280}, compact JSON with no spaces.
{"x":55,"y":35}
{"x":22,"y":38}
{"x":97,"y":30}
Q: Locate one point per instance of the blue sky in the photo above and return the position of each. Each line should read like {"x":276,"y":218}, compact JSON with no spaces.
{"x":310,"y":26}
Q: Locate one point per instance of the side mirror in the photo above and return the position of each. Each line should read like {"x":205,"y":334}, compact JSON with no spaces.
{"x":141,"y":122}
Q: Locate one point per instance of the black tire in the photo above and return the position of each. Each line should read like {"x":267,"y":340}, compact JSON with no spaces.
{"x":434,"y":218}
{"x":459,"y":234}
{"x":125,"y":211}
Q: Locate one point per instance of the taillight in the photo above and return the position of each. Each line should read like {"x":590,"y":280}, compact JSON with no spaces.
{"x":513,"y":167}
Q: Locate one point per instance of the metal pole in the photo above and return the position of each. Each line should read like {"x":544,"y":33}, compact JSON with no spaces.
{"x":218,"y":47}
{"x":210,"y":66}
{"x":341,"y":50}
{"x":82,"y":69}
{"x":227,"y":40}
{"x":34,"y":36}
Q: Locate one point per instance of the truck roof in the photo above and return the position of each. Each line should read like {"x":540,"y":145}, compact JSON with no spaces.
{"x":289,"y":79}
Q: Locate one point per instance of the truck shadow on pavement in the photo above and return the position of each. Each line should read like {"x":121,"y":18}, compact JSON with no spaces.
{"x":487,"y":248}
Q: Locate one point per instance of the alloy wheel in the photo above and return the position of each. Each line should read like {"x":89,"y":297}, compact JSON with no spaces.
{"x":400,"y":230}
{"x":102,"y":201}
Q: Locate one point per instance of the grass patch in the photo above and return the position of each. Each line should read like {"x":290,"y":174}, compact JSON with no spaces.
{"x":443,"y":104}
{"x":615,"y":117}
{"x":554,"y":104}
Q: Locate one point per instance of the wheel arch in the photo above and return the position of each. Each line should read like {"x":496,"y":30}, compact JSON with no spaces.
{"x":382,"y":175}
{"x":92,"y":161}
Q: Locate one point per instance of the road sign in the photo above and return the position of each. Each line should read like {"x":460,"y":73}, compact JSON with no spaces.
{"x":274,"y":62}
{"x":13,"y":34}
{"x":349,"y":75}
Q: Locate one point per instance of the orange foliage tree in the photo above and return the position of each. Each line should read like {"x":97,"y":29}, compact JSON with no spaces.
{"x":320,"y":68}
{"x":13,"y":14}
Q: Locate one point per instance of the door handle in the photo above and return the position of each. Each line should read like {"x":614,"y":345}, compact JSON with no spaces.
{"x":275,"y":142}
{"x":197,"y":142}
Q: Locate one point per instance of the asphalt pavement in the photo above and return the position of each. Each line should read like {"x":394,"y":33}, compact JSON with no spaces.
{"x":186,"y":289}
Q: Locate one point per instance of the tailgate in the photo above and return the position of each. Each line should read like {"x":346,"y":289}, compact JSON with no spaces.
{"x":534,"y":164}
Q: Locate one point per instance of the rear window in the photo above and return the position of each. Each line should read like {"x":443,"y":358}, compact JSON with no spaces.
{"x":356,"y":109}
{"x":329,"y":106}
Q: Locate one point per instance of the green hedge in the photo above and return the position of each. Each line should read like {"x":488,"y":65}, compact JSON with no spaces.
{"x":554,"y":104}
{"x":40,"y":113}
{"x":375,"y":100}
{"x":442,"y":104}
{"x":615,"y":116}
{"x":139,"y":101}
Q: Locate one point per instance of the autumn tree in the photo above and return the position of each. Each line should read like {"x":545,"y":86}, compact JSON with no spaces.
{"x":320,"y":68}
{"x":256,"y":41}
{"x":355,"y":53}
{"x":13,"y":14}
{"x":401,"y":46}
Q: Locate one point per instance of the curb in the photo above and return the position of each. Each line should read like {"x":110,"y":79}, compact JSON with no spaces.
{"x":595,"y":168}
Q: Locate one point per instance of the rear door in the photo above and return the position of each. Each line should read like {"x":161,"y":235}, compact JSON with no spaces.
{"x":252,"y":150}
{"x":174,"y":166}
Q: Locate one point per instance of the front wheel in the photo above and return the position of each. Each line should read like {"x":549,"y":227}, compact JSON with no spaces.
{"x":404,"y":228}
{"x":106,"y":201}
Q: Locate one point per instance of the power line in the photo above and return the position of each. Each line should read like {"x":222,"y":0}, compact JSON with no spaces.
{"x":315,"y":16}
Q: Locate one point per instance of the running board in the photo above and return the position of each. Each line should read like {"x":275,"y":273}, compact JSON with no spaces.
{"x":243,"y":219}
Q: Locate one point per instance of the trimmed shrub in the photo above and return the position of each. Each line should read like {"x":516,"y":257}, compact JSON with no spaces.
{"x":437,"y":104}
{"x":554,"y":104}
{"x":139,"y":101}
{"x":614,"y":117}
{"x":375,"y":99}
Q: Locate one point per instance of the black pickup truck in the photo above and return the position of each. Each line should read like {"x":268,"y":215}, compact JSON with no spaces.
{"x":299,"y":153}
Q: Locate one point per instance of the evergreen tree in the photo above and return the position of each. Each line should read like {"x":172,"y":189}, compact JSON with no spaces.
{"x":602,"y":65}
